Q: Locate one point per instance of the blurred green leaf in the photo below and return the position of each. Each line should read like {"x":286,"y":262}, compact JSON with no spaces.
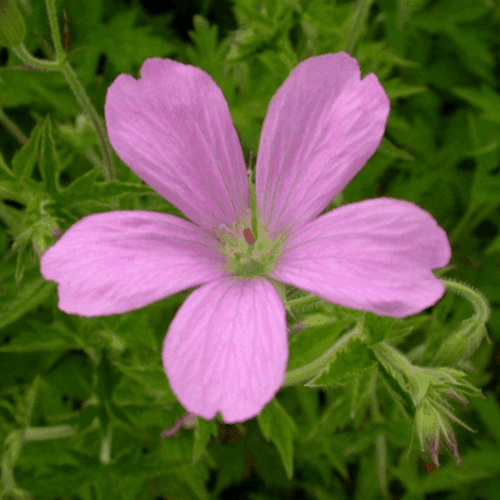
{"x":49,"y":159}
{"x":488,"y":410}
{"x":24,"y":160}
{"x":352,"y":360}
{"x":276,"y":425}
{"x":126,"y":45}
{"x":203,"y":433}
{"x":85,"y":189}
{"x":153,"y":377}
{"x":31,"y":293}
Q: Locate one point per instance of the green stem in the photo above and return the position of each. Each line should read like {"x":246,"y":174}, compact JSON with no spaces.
{"x":62,"y":65}
{"x":475,"y":297}
{"x":307,"y":372}
{"x":380,"y":440}
{"x":22,"y":52}
{"x":97,"y":122}
{"x":12,"y":127}
{"x":395,"y":358}
{"x":48,"y":433}
{"x":105,"y":454}
{"x":54,"y":28}
{"x":302,"y":301}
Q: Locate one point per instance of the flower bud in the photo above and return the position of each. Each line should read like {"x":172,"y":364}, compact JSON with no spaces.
{"x":431,"y":424}
{"x":12,"y":27}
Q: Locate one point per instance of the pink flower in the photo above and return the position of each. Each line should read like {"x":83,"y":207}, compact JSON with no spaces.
{"x":226,"y":349}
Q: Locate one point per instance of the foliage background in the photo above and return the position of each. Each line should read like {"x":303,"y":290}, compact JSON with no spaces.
{"x":99,"y":380}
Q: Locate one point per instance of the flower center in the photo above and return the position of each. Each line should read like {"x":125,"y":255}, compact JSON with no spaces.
{"x":248,"y":255}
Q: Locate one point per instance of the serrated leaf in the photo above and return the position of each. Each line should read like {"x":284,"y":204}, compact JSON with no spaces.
{"x":4,"y":168}
{"x":78,"y":190}
{"x":401,"y":396}
{"x":397,"y":90}
{"x":209,"y":54}
{"x":352,"y":360}
{"x":86,"y":188}
{"x":33,"y":341}
{"x":121,"y":415}
{"x":277,"y":425}
{"x":152,"y":376}
{"x":312,"y":342}
{"x":485,"y":98}
{"x":203,"y":433}
{"x":18,"y":190}
{"x":63,"y":479}
{"x":148,"y":467}
{"x":108,"y":377}
{"x":475,"y":465}
{"x":24,"y":160}
{"x":30,"y":293}
{"x":488,"y":410}
{"x":49,"y":159}
{"x":388,"y":148}
{"x":486,"y":181}
{"x":127,"y":45}
{"x":355,"y":24}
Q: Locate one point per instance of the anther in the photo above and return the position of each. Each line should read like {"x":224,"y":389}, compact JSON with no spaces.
{"x":248,"y":236}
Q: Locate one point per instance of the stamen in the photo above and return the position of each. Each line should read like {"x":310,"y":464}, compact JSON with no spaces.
{"x":248,"y":236}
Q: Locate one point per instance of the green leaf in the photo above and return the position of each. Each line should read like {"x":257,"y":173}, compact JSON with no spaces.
{"x":126,"y":45}
{"x":4,"y":168}
{"x":85,"y":188}
{"x":18,"y":190}
{"x":475,"y":465}
{"x":380,"y":328}
{"x":352,"y":360}
{"x":486,"y":180}
{"x":24,"y":160}
{"x":209,"y":55}
{"x":151,"y":376}
{"x":108,"y":377}
{"x":34,"y":341}
{"x":203,"y":433}
{"x":395,"y":385}
{"x":397,"y":90}
{"x":488,"y":410}
{"x":49,"y":159}
{"x":310,"y":343}
{"x":64,"y":479}
{"x":356,"y":23}
{"x":121,"y":415}
{"x":485,"y":98}
{"x":30,"y":294}
{"x":277,"y":425}
{"x":389,"y":149}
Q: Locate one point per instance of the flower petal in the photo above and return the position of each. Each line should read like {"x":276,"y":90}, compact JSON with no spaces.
{"x":226,"y":349}
{"x":375,"y":255}
{"x":322,"y":126}
{"x":114,"y":262}
{"x":172,"y":127}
